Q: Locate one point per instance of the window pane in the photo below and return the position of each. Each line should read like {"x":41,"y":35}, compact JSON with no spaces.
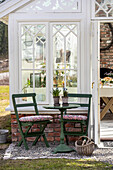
{"x":65,"y":37}
{"x":58,"y":78}
{"x":26,"y":81}
{"x":33,"y":45}
{"x":27,"y":51}
{"x":40,"y":85}
{"x":40,"y":47}
{"x":71,"y":51}
{"x":36,"y":80}
{"x":71,"y":81}
{"x":58,"y":50}
{"x":33,"y":52}
{"x":40,"y":51}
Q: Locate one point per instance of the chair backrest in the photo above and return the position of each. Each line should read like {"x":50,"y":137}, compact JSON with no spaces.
{"x":19,"y":105}
{"x":86,"y":104}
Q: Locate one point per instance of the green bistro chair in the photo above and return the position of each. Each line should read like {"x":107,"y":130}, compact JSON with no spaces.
{"x":28,"y":121}
{"x":77,"y":119}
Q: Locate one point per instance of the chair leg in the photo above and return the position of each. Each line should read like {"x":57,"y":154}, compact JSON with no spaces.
{"x":45,"y":140}
{"x":23,"y":140}
{"x":36,"y":140}
{"x":42,"y":128}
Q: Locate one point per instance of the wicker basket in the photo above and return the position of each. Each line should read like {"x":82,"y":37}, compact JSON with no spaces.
{"x":86,"y":148}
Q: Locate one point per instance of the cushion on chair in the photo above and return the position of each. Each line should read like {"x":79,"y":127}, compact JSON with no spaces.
{"x":35,"y":118}
{"x":74,"y":117}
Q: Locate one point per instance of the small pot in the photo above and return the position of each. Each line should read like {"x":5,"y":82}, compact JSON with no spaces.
{"x":3,"y":135}
{"x":65,"y":101}
{"x":56,"y":100}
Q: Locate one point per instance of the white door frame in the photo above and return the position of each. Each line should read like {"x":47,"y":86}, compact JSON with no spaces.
{"x":95,"y":80}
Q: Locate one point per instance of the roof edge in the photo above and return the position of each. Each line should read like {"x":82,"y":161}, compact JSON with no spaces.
{"x":11,"y":5}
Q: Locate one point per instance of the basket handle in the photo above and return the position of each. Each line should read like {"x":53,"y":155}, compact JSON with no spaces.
{"x":85,"y":137}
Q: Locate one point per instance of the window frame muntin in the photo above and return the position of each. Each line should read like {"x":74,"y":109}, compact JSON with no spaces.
{"x":33,"y":69}
{"x":78,"y":50}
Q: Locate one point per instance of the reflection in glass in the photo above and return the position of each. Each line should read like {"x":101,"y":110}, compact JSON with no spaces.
{"x":33,"y":45}
{"x":26,"y":81}
{"x":36,"y":80}
{"x":58,"y":78}
{"x":71,"y":81}
{"x":71,"y":78}
{"x":103,"y":8}
{"x":40,"y":79}
{"x":40,"y":51}
{"x":58,"y":49}
{"x":40,"y":85}
{"x":65,"y":55}
{"x":71,"y":50}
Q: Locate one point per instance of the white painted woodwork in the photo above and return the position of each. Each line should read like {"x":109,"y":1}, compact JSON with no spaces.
{"x":34,"y":11}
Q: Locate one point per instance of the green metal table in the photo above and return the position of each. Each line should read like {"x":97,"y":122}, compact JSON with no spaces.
{"x":62,"y":147}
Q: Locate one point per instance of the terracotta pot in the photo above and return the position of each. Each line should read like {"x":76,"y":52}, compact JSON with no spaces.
{"x":56,"y":100}
{"x":65,"y":101}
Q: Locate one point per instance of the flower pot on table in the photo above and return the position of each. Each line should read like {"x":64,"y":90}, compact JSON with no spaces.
{"x":56,"y":100}
{"x":65,"y":101}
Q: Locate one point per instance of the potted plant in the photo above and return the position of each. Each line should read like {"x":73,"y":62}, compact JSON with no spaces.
{"x":25,"y":89}
{"x":26,"y":85}
{"x":56,"y":96}
{"x":65,"y":97}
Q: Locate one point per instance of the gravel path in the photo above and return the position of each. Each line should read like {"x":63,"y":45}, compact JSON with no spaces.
{"x":41,"y":151}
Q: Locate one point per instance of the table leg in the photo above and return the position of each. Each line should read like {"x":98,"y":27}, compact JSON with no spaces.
{"x":106,"y":100}
{"x":62,"y":147}
{"x":106,"y":108}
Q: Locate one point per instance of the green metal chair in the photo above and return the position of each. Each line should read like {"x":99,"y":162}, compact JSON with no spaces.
{"x":77,"y":119}
{"x":28,"y":121}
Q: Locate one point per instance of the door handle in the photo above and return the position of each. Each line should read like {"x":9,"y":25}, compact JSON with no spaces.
{"x":92,"y":84}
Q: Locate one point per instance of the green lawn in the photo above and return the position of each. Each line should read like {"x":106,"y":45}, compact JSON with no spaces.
{"x":52,"y":164}
{"x":45,"y":164}
{"x":5,"y":121}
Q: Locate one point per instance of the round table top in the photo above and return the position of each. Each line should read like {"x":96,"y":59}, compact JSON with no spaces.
{"x":70,"y":106}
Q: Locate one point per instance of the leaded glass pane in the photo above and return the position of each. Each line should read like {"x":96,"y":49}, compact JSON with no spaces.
{"x":40,"y":85}
{"x":33,"y":53}
{"x":71,"y":81}
{"x":58,"y":51}
{"x":71,"y":78}
{"x":26,"y":81}
{"x":101,"y":14}
{"x":71,"y":51}
{"x":110,"y":13}
{"x":64,"y":30}
{"x":53,"y":5}
{"x":103,"y":8}
{"x":65,"y":55}
{"x":27,"y":51}
{"x":40,"y":50}
{"x":58,"y":78}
